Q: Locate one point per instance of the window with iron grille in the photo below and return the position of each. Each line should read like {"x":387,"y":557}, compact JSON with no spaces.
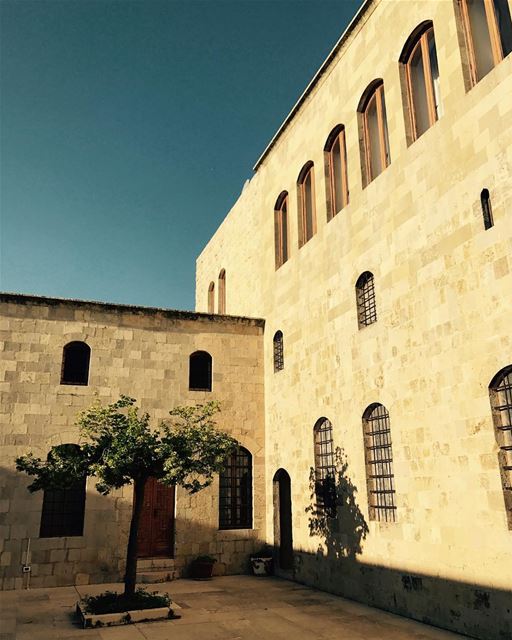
{"x":76,"y":357}
{"x":325,"y":472}
{"x":379,"y":463}
{"x":365,"y":298}
{"x":235,"y":492}
{"x":200,"y":371}
{"x":485,"y":199}
{"x":278,"y":351}
{"x":63,"y":510}
{"x":500,"y":391}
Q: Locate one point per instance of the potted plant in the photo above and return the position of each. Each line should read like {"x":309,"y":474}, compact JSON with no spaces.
{"x":201,"y":568}
{"x":262,"y":561}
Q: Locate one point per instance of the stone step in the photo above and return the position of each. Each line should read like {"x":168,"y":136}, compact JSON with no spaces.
{"x":152,"y":564}
{"x":155,"y":576}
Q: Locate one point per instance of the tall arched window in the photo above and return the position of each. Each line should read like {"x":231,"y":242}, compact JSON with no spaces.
{"x":487,"y":29}
{"x":63,"y":509}
{"x":336,"y":180}
{"x":306,"y":201}
{"x":235,"y":491}
{"x":421,"y":71}
{"x":281,"y":229}
{"x":278,"y":351}
{"x":76,"y":357}
{"x":200,"y":371}
{"x":222,"y":291}
{"x":365,"y":300}
{"x":325,"y":472}
{"x":375,"y":156}
{"x":211,"y":298}
{"x":500,"y":392}
{"x":379,"y":463}
{"x":485,"y":200}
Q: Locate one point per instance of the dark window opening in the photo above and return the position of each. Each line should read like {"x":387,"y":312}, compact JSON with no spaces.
{"x":379,"y":463}
{"x":365,"y":297}
{"x":485,"y":199}
{"x":325,"y":472}
{"x":75,"y":363}
{"x":235,"y":492}
{"x":200,"y":371}
{"x":278,"y":351}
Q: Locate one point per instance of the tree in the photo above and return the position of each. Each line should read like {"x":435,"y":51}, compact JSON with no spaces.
{"x":118,"y":447}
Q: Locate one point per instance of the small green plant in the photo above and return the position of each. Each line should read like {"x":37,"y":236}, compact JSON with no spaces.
{"x":113,"y":602}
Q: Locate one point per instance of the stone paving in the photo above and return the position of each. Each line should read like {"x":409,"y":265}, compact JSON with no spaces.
{"x":227,"y":608}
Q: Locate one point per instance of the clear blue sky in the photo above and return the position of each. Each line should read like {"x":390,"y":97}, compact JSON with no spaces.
{"x":128,"y":129}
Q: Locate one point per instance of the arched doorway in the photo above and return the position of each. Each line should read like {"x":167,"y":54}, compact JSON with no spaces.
{"x":283,"y":542}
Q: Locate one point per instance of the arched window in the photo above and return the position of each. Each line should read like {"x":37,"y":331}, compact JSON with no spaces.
{"x":487,"y":29}
{"x":222,"y":291}
{"x":306,"y":201}
{"x":485,"y":199}
{"x":278,"y":351}
{"x":325,"y":472}
{"x":365,"y":300}
{"x":200,"y":371}
{"x":421,"y":71}
{"x":336,"y":180}
{"x":379,"y":463}
{"x":235,"y":491}
{"x":75,"y":363}
{"x":281,"y":229}
{"x":500,"y":392}
{"x":375,"y":156}
{"x":211,"y":298}
{"x":63,"y":509}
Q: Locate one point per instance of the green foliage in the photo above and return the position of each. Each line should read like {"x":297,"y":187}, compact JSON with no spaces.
{"x":113,"y":602}
{"x":118,"y":447}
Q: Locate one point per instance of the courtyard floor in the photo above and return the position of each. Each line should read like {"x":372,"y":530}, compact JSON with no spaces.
{"x":227,"y":608}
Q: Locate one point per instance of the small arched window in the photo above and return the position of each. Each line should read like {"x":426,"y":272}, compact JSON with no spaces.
{"x":325,"y":472}
{"x":222,"y":291}
{"x":63,"y":509}
{"x":211,"y":298}
{"x":76,"y":357}
{"x":419,"y":64}
{"x":306,"y":201}
{"x":278,"y":351}
{"x":336,"y":180}
{"x":281,"y":229}
{"x":235,"y":491}
{"x":200,"y":371}
{"x":487,"y":29}
{"x":500,"y":392}
{"x":365,"y":300}
{"x":375,"y":156}
{"x":379,"y":463}
{"x":485,"y":200}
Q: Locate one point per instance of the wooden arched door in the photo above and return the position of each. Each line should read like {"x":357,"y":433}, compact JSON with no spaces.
{"x":156,"y":529}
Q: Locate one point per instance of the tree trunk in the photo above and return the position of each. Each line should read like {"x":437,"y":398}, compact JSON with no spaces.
{"x":130,"y":577}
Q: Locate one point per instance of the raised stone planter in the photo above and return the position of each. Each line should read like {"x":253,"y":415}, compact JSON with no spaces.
{"x":94,"y":620}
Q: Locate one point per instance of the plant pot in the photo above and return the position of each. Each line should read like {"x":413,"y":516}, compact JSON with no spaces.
{"x":262,"y":566}
{"x":201,"y":570}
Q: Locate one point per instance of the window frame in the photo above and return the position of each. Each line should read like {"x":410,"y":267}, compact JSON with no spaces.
{"x":236,"y":498}
{"x":84,"y":381}
{"x":281,"y":229}
{"x":278,"y":351}
{"x":307,"y":171}
{"x":336,"y":135}
{"x":502,"y":383}
{"x":366,"y":301}
{"x":325,"y":468}
{"x":211,"y":297}
{"x":221,"y":301}
{"x":374,"y":92}
{"x":208,"y":360}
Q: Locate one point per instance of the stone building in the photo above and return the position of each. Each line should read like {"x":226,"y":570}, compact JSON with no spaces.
{"x":375,"y":399}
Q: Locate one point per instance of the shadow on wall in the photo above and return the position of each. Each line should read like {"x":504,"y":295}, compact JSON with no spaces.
{"x":472,"y":609}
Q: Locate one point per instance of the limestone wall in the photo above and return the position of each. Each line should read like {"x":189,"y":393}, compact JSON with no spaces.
{"x":443,"y":287}
{"x":142,"y":353}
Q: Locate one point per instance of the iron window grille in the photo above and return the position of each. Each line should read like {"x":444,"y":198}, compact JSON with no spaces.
{"x":235,"y":492}
{"x":278,"y":351}
{"x":500,"y":392}
{"x":485,"y":200}
{"x":365,"y":297}
{"x":200,"y":371}
{"x":325,"y":472}
{"x":379,"y":464}
{"x":76,"y":358}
